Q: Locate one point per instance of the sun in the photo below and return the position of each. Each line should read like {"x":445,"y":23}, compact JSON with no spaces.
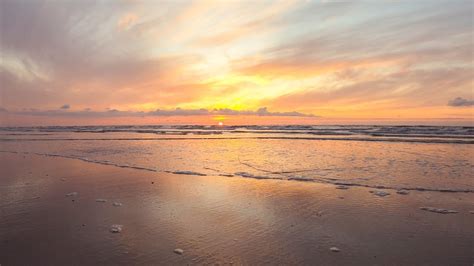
{"x":220,"y":124}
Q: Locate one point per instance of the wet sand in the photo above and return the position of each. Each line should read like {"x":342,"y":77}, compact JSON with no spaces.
{"x":223,"y":220}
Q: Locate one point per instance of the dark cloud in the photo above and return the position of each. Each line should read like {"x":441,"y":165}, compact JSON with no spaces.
{"x":460,"y":102}
{"x":65,"y":107}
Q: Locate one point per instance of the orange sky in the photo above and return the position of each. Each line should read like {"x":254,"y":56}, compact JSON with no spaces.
{"x":308,"y":62}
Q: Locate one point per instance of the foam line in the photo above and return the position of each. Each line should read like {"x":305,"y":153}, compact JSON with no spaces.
{"x":250,"y":175}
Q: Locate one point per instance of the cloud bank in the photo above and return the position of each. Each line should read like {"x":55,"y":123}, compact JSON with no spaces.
{"x":157,"y":113}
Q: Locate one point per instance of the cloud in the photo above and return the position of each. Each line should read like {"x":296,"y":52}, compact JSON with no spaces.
{"x":126,"y":21}
{"x":398,"y":89}
{"x":65,"y":107}
{"x":160,"y":113}
{"x":405,"y":38}
{"x":287,"y":55}
{"x":460,"y":102}
{"x":261,"y":22}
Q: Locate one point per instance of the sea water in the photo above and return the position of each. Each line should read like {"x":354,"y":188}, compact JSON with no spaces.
{"x":432,"y":158}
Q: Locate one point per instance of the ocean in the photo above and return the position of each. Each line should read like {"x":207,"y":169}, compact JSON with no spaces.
{"x":425,"y":158}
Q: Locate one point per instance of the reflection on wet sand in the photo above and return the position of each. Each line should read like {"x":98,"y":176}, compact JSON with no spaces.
{"x":216,"y":219}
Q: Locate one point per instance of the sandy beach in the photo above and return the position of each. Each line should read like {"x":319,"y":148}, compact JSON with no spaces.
{"x":217,"y":220}
{"x":307,"y":132}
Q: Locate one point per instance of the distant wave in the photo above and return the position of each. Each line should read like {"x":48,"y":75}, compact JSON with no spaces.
{"x":400,"y":130}
{"x":419,"y":134}
{"x":373,"y":139}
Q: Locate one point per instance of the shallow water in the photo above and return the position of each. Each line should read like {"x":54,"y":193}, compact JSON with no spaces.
{"x":417,"y":158}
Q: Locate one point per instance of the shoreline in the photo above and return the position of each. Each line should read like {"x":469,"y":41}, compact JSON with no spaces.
{"x":247,"y":175}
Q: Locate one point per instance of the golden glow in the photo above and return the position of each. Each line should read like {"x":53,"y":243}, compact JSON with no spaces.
{"x":219,"y":118}
{"x":288,"y":56}
{"x":235,"y":79}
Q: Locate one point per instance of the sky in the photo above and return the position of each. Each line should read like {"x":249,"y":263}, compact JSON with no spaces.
{"x":242,"y":62}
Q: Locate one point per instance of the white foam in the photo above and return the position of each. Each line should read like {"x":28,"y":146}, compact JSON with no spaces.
{"x":335,"y":249}
{"x":188,"y":173}
{"x":403,"y":192}
{"x":249,"y":175}
{"x":116,"y":228}
{"x":438,"y":210}
{"x":72,"y":194}
{"x":433,"y":134}
{"x":117,"y":204}
{"x":379,"y":193}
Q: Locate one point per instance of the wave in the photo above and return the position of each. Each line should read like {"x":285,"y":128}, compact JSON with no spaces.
{"x":416,"y":134}
{"x":373,"y":139}
{"x":296,"y":129}
{"x":281,"y":176}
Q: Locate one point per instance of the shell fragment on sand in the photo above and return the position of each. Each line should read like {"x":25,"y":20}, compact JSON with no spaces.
{"x":334,"y":249}
{"x":116,"y":228}
{"x":72,"y":194}
{"x":438,"y":210}
{"x":101,"y":200}
{"x":379,"y":193}
{"x":178,"y":251}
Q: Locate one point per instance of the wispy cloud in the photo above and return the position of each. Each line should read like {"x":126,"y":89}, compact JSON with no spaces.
{"x":127,"y":21}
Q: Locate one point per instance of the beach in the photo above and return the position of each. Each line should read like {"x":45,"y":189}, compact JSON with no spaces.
{"x":217,"y":219}
{"x":185,"y":132}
